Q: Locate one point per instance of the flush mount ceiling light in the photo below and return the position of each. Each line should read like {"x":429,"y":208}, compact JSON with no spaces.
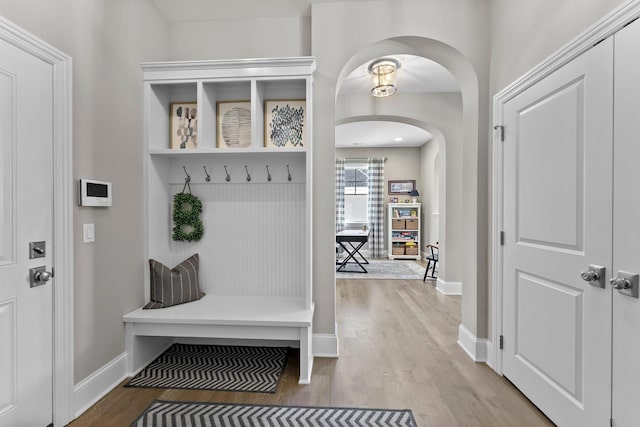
{"x":383,"y":76}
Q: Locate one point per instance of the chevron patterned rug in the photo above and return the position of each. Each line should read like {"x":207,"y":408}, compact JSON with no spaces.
{"x":215,"y":367}
{"x":186,"y":414}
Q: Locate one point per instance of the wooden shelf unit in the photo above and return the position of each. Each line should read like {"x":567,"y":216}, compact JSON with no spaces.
{"x":404,"y":229}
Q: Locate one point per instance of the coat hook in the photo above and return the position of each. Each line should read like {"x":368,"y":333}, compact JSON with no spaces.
{"x":289,"y":177}
{"x":208,"y":178}
{"x":228,"y":178}
{"x":187,"y":180}
{"x":268,"y":174}
{"x":248,"y":176}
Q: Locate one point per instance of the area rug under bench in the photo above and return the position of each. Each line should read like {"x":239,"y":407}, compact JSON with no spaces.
{"x":216,"y":368}
{"x":186,"y":414}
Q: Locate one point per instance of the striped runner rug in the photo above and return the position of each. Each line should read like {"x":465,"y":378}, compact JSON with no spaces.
{"x":186,"y":414}
{"x":215,"y":367}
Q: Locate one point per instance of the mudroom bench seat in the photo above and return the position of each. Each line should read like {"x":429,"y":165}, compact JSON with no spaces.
{"x":220,"y":316}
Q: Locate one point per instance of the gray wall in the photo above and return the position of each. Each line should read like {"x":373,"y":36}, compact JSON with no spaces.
{"x":107,"y":40}
{"x":401,"y":163}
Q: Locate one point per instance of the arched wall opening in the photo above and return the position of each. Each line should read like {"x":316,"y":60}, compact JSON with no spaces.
{"x":460,"y":168}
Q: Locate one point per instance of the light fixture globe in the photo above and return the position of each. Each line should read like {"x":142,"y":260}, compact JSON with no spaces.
{"x":383,"y":76}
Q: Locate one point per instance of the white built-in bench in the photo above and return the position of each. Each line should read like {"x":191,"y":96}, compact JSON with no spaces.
{"x":220,"y":316}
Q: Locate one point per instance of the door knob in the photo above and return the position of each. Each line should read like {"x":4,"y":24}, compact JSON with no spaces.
{"x":39,"y":276}
{"x":626,"y":283}
{"x":42,"y":276}
{"x":620,"y":282}
{"x":594,"y":275}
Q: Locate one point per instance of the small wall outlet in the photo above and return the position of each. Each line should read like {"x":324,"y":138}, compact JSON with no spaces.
{"x":88,"y":233}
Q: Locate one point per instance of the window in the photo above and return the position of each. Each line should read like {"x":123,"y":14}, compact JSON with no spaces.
{"x":356,"y":192}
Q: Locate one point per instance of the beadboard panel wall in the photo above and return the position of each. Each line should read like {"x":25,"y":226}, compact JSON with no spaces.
{"x":254,"y":238}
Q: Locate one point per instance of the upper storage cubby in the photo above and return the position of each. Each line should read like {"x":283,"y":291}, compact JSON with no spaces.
{"x":251,"y":105}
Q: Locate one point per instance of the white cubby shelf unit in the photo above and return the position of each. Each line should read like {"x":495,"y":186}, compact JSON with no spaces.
{"x":255,"y":255}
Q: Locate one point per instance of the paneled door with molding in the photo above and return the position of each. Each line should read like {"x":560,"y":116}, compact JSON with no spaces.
{"x":26,"y":252}
{"x":557,"y":202}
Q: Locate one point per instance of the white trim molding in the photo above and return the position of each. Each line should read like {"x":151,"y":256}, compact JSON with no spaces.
{"x":93,"y":388}
{"x":63,"y":352}
{"x":449,"y":288}
{"x":475,"y":347}
{"x":604,"y":28}
{"x":325,"y":345}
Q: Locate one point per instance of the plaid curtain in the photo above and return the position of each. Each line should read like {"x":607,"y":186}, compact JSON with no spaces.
{"x":339,"y":194}
{"x":375,"y":207}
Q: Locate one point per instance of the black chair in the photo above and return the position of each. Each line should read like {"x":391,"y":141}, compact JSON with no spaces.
{"x":432,"y":260}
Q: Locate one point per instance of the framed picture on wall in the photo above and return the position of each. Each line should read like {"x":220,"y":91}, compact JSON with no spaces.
{"x":284,"y":123}
{"x":404,"y":186}
{"x":234,"y":124}
{"x":183,"y":125}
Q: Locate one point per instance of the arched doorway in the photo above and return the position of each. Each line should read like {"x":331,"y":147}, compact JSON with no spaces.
{"x":466,"y":207}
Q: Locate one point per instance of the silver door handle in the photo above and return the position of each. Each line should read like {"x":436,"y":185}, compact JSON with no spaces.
{"x":594,"y":275}
{"x":42,"y":276}
{"x":626,"y":283}
{"x":39,"y":276}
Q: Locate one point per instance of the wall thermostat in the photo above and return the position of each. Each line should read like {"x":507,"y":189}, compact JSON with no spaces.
{"x":94,"y":193}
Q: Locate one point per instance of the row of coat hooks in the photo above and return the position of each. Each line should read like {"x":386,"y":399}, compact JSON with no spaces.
{"x":187,"y":179}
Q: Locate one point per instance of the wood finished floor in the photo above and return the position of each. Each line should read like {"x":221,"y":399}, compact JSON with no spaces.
{"x":397,"y":350}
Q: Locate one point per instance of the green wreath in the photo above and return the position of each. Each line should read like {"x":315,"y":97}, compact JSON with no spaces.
{"x":186,"y":217}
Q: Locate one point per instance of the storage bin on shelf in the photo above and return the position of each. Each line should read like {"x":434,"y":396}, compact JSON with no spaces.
{"x":398,"y":224}
{"x":411,"y":249}
{"x":411,"y":224}
{"x":397,"y":249}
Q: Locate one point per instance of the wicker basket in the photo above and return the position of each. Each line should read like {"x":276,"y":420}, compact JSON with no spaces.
{"x":397,"y":249}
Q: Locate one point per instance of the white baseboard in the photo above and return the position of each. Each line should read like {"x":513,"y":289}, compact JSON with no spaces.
{"x":449,"y":288}
{"x":476,"y":348}
{"x":326,"y":345}
{"x":93,"y":388}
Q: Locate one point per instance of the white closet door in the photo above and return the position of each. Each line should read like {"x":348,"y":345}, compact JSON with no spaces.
{"x":26,"y":215}
{"x":558,"y":220}
{"x":626,"y":225}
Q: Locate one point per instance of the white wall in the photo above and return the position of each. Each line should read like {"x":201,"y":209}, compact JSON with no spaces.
{"x":107,"y":40}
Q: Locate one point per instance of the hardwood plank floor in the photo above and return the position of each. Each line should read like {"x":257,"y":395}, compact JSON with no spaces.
{"x":398,"y":349}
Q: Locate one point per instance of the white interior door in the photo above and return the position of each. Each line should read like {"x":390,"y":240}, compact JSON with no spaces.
{"x":626,"y":225}
{"x":26,"y":213}
{"x":558,"y":221}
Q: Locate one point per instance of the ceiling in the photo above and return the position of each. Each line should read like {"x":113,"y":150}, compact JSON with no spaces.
{"x":221,"y":10}
{"x":416,"y":74}
{"x":379,"y":133}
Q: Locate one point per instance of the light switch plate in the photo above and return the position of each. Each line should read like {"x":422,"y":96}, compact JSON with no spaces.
{"x":88,"y":233}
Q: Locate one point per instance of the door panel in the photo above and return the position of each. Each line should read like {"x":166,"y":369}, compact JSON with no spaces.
{"x":26,"y":215}
{"x":560,"y":186}
{"x":626,"y":225}
{"x":562,"y":367}
{"x":557,"y":221}
{"x":7,"y":178}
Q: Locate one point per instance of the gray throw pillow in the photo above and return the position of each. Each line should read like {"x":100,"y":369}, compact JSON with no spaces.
{"x":174,"y":286}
